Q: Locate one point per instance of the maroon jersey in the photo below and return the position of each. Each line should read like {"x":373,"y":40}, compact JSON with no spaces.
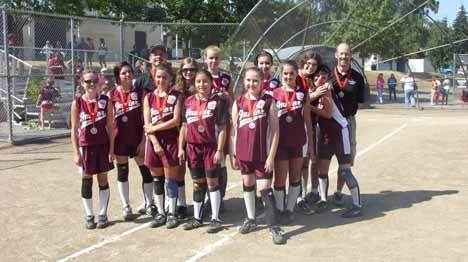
{"x":291,"y":116}
{"x":167,"y":106}
{"x":128,"y":116}
{"x":47,"y":94}
{"x":270,"y":85}
{"x":221,"y":82}
{"x":86,"y":136}
{"x":252,"y":128}
{"x":203,"y":118}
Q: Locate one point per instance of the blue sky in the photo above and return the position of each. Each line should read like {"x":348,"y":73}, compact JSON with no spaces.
{"x":449,"y":9}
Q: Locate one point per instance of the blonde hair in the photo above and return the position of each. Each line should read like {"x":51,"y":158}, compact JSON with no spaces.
{"x":212,"y":48}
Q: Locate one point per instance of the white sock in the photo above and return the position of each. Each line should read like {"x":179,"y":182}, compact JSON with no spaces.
{"x":148,"y":192}
{"x":215,"y":198}
{"x":279,"y":199}
{"x":323,"y":184}
{"x":181,"y":193}
{"x":172,"y":205}
{"x":249,"y":200}
{"x":88,"y":205}
{"x":123,"y":192}
{"x":197,"y":206}
{"x":160,"y":203}
{"x":103,"y":201}
{"x":355,"y":196}
{"x":305,"y":181}
{"x":293,"y":193}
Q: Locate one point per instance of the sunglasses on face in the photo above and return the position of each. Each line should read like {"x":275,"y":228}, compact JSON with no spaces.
{"x":91,"y":81}
{"x":185,"y":70}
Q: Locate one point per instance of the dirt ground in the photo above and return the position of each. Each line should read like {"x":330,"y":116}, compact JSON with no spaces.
{"x":411,"y":167}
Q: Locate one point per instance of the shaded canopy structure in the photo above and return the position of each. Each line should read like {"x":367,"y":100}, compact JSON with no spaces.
{"x":289,"y":28}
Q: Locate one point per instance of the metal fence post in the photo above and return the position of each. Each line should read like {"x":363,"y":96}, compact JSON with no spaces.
{"x":122,"y":38}
{"x":8,"y":80}
{"x":72,"y":47}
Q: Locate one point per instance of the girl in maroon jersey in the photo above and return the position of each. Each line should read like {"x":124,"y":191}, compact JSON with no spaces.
{"x":204,"y":129}
{"x":295,"y":130}
{"x":93,"y":144}
{"x":46,"y":100}
{"x":162,"y":111}
{"x":264,"y":62}
{"x":254,"y":143}
{"x":334,"y":139}
{"x":223,"y":87}
{"x":185,"y":84}
{"x":127,"y":102}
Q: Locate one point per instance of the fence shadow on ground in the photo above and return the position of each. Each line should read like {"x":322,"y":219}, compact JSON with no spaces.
{"x":374,"y":206}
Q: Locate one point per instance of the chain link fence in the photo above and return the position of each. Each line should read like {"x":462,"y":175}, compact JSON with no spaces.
{"x":36,"y":47}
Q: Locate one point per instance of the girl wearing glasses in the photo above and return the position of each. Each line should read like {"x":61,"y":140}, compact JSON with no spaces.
{"x":93,"y":144}
{"x":127,"y":103}
{"x":162,"y":111}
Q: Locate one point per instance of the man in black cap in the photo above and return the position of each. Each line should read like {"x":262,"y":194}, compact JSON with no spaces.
{"x":158,"y":55}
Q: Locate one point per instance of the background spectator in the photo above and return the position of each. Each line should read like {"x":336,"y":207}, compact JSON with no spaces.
{"x":409,"y":86}
{"x":392,"y":83}
{"x":91,"y":48}
{"x":446,"y":90}
{"x":102,"y":52}
{"x":56,"y":68}
{"x":380,"y":87}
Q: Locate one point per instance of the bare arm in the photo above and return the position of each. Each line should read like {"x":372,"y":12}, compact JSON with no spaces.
{"x":308,"y":122}
{"x":220,"y":145}
{"x":110,"y":130}
{"x":147,"y":119}
{"x":233,"y":134}
{"x":326,"y":111}
{"x":75,"y":125}
{"x":273,"y":122}
{"x":174,"y":122}
{"x":182,"y":139}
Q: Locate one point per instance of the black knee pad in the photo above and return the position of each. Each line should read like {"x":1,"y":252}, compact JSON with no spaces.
{"x":197,"y":173}
{"x":248,"y":188}
{"x":280,"y":188}
{"x":322,"y":175}
{"x":122,"y":172}
{"x":158,"y":185}
{"x":199,"y":191}
{"x":87,"y":188}
{"x":104,"y":187}
{"x":294,"y":184}
{"x":217,"y":173}
{"x":213,"y":189}
{"x":145,"y":174}
{"x":180,"y":183}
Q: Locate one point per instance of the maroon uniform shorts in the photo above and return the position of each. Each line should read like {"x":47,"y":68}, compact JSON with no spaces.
{"x":95,"y":159}
{"x":286,"y":153}
{"x":201,"y":156}
{"x":255,"y":167}
{"x":124,"y":148}
{"x":335,"y":143}
{"x":167,"y":158}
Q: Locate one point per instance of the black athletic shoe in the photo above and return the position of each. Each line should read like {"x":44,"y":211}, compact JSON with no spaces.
{"x":102,"y":222}
{"x":152,"y":210}
{"x":287,"y":217}
{"x":159,"y":220}
{"x":214,"y":227}
{"x":277,"y":236}
{"x":304,"y":208}
{"x":193,"y":223}
{"x":312,"y":198}
{"x":321,"y":207}
{"x":90,"y":224}
{"x":172,"y":221}
{"x":338,"y":199}
{"x":181,"y":212}
{"x":353,"y":211}
{"x":248,"y":226}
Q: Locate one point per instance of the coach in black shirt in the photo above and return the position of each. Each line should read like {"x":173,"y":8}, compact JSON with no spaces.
{"x":157,"y":56}
{"x":349,"y":85}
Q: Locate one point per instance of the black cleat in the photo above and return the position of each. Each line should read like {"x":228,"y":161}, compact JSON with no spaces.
{"x":102,"y":222}
{"x":193,"y":223}
{"x":214,"y":227}
{"x":338,"y":199}
{"x":90,"y":224}
{"x":304,"y":208}
{"x":321,"y":207}
{"x":277,"y":236}
{"x":172,"y":221}
{"x":287,"y":217}
{"x":248,"y":226}
{"x":353,"y":211}
{"x":181,"y":212}
{"x":158,"y":220}
{"x":312,"y":198}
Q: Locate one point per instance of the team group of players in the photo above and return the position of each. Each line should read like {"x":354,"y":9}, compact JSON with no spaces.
{"x":270,"y":133}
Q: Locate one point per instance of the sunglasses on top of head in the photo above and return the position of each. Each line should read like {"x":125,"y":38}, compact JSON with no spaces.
{"x":91,"y":81}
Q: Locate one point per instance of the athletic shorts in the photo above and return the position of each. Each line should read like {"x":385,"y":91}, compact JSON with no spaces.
{"x":123,"y":149}
{"x":201,"y":156}
{"x":257,"y":168}
{"x":47,"y":105}
{"x":167,"y":158}
{"x":286,"y":153}
{"x":95,"y":159}
{"x":335,"y":143}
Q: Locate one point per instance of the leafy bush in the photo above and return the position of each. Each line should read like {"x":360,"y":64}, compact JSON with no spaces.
{"x":33,"y":88}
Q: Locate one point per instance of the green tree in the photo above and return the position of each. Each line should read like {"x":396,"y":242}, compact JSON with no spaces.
{"x":460,"y":30}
